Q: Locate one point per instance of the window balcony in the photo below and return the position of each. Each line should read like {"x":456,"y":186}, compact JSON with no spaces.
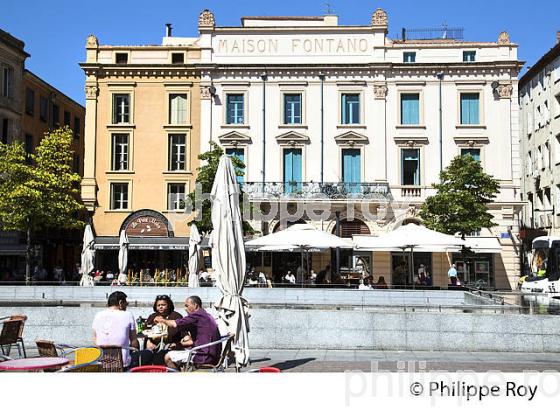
{"x":317,"y":191}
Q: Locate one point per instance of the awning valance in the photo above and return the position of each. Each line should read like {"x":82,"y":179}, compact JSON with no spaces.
{"x":144,"y":243}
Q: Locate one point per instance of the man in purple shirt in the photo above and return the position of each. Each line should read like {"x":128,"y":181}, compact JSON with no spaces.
{"x":203,"y":329}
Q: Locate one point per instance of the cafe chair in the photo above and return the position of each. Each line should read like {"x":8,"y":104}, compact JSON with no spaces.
{"x":189,"y":365}
{"x":48,"y":348}
{"x":152,"y":369}
{"x":92,"y":367}
{"x":11,"y":334}
{"x":111,"y":358}
{"x":4,"y":358}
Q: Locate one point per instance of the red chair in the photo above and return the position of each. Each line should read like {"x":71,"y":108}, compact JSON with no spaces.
{"x":152,"y":369}
{"x":269,"y":370}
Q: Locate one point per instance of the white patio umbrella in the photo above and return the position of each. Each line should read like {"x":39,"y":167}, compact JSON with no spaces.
{"x":123,"y":252}
{"x":228,"y":258}
{"x":194,"y":256}
{"x":301,"y":236}
{"x":87,"y":257}
{"x":410,"y":236}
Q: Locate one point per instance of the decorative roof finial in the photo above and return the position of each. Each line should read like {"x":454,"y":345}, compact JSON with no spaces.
{"x":379,"y":18}
{"x":503,"y":38}
{"x":206,"y":19}
{"x":92,"y":42}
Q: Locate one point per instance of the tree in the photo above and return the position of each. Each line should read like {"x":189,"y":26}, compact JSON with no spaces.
{"x":39,"y":195}
{"x":205,"y":180}
{"x":463,"y":194}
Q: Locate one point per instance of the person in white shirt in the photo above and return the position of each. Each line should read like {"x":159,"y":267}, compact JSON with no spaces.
{"x":364,"y":284}
{"x":115,"y":326}
{"x":290,"y":278}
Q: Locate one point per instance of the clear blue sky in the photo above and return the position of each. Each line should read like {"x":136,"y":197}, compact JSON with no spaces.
{"x":55,"y":31}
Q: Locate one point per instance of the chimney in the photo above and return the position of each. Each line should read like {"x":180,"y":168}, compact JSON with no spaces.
{"x":168,"y":30}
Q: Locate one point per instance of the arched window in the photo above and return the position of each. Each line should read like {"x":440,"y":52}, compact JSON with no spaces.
{"x":354,"y":227}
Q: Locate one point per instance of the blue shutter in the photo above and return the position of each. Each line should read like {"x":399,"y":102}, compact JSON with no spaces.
{"x":410,"y":109}
{"x":470,"y":108}
{"x":344,"y":115}
{"x":297,"y":168}
{"x":474,"y":109}
{"x":292,"y":170}
{"x":351,"y":169}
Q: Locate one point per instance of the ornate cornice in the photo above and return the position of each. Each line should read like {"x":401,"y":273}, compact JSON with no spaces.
{"x":411,"y":140}
{"x":292,"y":138}
{"x":351,"y":138}
{"x":189,"y":73}
{"x":235,"y":138}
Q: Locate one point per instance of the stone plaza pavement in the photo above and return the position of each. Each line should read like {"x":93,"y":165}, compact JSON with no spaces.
{"x":413,"y":361}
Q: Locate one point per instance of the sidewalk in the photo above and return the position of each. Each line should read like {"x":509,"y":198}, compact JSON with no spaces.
{"x":414,"y":361}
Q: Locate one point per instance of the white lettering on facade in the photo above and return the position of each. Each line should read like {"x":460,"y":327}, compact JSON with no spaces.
{"x":318,"y":46}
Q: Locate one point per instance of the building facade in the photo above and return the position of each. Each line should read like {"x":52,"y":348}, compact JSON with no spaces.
{"x":45,"y":108}
{"x":30,"y":107}
{"x":539,"y":103}
{"x":347,"y":120}
{"x":141,"y":149}
{"x":12,"y":63}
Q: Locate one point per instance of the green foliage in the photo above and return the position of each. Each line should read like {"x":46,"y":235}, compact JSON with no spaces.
{"x":460,"y":204}
{"x":205,"y":180}
{"x":43,"y":194}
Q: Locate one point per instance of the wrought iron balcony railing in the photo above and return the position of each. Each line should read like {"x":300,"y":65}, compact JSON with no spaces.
{"x":317,"y":190}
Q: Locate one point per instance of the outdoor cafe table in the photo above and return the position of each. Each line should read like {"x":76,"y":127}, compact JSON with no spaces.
{"x":33,"y":364}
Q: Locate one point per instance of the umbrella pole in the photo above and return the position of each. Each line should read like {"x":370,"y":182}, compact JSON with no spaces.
{"x":412,"y":266}
{"x":301,"y":266}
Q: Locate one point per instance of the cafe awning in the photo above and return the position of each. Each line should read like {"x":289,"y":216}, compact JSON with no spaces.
{"x":484,"y":245}
{"x":13,"y":250}
{"x":143,"y":243}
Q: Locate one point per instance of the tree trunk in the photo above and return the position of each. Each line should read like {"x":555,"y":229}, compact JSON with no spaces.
{"x":28,"y":256}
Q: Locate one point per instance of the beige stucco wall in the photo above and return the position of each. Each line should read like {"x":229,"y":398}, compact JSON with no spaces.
{"x":148,"y":131}
{"x":148,"y":175}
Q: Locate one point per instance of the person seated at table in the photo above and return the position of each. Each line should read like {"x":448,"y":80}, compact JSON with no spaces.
{"x":203,"y":328}
{"x":164,"y":308}
{"x":381,"y":284}
{"x":115,"y":326}
{"x":364,"y":284}
{"x":290,"y":278}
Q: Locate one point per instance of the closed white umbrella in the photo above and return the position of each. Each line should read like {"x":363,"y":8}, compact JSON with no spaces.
{"x":228,"y":258}
{"x":123,"y":253}
{"x":87,"y":257}
{"x":194,"y":256}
